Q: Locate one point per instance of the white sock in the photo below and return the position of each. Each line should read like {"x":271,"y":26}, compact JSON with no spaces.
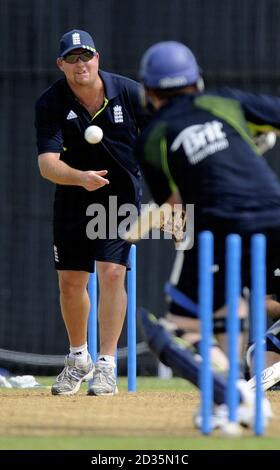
{"x":79,"y":352}
{"x":106,"y":360}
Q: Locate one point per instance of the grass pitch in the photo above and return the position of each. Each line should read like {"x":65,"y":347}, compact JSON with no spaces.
{"x":157,"y":416}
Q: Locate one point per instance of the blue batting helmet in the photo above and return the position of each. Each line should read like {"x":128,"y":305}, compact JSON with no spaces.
{"x":168,"y":64}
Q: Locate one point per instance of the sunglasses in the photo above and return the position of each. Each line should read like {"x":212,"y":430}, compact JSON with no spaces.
{"x":84,"y":56}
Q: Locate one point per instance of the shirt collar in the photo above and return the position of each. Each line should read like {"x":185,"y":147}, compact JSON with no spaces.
{"x":111,"y":86}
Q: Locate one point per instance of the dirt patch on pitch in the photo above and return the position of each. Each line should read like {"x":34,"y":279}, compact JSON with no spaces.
{"x":37,"y":413}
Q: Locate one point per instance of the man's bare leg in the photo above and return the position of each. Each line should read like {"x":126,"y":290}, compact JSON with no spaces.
{"x":75,"y":304}
{"x":111,"y":314}
{"x":112,"y":305}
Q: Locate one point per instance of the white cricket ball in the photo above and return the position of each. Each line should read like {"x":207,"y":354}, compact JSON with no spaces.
{"x":231,"y":429}
{"x":93,"y":134}
{"x":271,"y":139}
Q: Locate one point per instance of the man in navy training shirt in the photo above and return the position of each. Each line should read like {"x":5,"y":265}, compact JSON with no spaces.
{"x":87,"y":174}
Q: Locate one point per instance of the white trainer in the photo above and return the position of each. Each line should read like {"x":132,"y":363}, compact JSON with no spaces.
{"x":69,"y":381}
{"x":245,"y":410}
{"x":104,"y":381}
{"x":219,"y":417}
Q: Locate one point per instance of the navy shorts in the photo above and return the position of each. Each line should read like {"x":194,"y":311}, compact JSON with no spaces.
{"x":74,"y":251}
{"x":188,"y":279}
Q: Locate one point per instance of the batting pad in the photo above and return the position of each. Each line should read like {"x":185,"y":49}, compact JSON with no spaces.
{"x":171,"y":352}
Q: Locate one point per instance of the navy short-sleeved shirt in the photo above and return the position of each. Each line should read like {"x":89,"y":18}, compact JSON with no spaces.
{"x":60,"y":123}
{"x":202,"y":144}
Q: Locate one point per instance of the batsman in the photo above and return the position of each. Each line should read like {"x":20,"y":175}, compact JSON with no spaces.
{"x":199,"y":148}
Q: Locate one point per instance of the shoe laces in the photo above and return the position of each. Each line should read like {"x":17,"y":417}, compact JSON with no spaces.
{"x":104,"y":374}
{"x":68,"y":374}
{"x":71,"y":372}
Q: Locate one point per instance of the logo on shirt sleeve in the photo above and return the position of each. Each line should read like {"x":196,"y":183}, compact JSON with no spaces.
{"x":118,"y":113}
{"x":201,"y":140}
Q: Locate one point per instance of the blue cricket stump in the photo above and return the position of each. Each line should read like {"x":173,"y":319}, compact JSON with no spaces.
{"x":233,"y":287}
{"x":131,"y":320}
{"x":258,"y":279}
{"x":205,"y":266}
